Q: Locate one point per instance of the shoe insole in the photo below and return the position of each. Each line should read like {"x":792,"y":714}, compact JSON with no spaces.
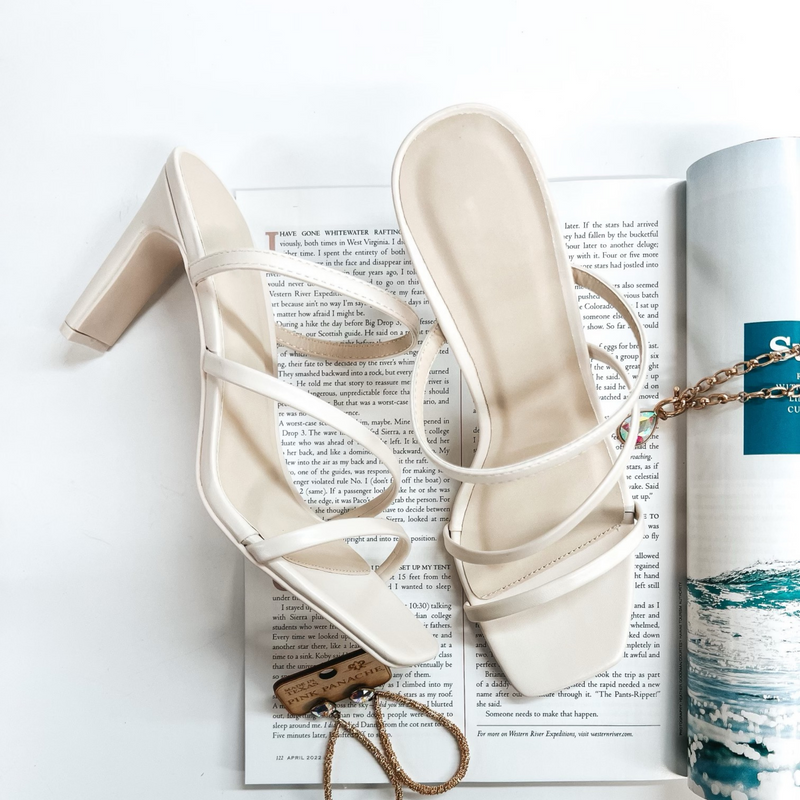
{"x":477,"y":214}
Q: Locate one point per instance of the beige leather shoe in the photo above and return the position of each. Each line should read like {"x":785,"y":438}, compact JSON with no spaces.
{"x":190,"y":218}
{"x":543,"y":528}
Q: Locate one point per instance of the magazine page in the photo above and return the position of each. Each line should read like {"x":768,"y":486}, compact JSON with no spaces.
{"x":743,"y":225}
{"x":622,"y":725}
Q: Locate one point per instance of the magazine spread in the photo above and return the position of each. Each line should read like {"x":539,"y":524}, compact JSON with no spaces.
{"x":743,"y":472}
{"x":623,"y":725}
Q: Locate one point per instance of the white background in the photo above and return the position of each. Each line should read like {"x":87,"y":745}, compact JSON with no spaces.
{"x":121,"y":635}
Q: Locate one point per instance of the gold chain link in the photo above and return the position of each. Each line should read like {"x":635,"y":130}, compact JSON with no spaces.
{"x":387,"y":759}
{"x":441,"y":719}
{"x":327,"y":766}
{"x":697,"y":396}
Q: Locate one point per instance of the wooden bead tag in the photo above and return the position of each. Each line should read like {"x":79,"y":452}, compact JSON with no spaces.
{"x":332,"y":681}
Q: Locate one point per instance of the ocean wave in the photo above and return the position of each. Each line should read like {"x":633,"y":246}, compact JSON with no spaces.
{"x":744,"y":682}
{"x":772,"y":584}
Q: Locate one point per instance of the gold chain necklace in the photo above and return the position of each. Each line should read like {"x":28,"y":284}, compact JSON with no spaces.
{"x":387,"y":759}
{"x":358,"y":675}
{"x":699,"y":396}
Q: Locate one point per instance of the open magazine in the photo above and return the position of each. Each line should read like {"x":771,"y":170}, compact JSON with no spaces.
{"x":624,"y":724}
{"x":715,"y":256}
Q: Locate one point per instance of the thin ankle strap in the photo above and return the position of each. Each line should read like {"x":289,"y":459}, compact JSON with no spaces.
{"x":435,"y":340}
{"x":334,"y":530}
{"x":628,"y":539}
{"x":269,"y":386}
{"x":326,"y":278}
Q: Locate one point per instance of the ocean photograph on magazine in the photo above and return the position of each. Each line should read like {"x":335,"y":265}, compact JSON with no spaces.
{"x":744,"y":683}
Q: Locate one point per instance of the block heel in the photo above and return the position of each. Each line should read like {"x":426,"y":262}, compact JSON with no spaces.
{"x":242,"y":476}
{"x":146,"y":256}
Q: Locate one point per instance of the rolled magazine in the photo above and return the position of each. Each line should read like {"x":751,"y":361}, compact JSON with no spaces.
{"x":743,"y":475}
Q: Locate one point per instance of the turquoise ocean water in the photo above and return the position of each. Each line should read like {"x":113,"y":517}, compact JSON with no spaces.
{"x":744,"y":683}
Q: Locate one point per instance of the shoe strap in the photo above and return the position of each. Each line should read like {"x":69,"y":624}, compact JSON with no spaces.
{"x":473,"y":556}
{"x":325,"y":278}
{"x":269,"y":386}
{"x":510,"y":604}
{"x":332,"y":530}
{"x":434,"y":341}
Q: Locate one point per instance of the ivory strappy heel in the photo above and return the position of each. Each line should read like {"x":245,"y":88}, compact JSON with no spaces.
{"x":543,"y":528}
{"x":190,"y":218}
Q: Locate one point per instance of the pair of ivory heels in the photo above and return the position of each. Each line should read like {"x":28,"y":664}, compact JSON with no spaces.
{"x":543,"y":528}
